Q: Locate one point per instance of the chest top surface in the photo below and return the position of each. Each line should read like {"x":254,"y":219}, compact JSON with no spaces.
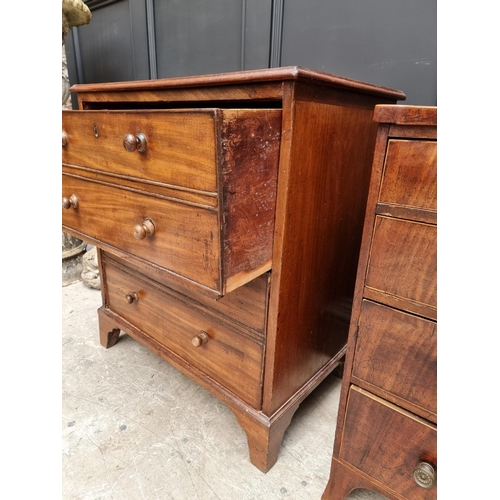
{"x":274,"y":77}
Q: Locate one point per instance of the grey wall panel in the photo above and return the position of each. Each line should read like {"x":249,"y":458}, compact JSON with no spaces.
{"x":112,"y":47}
{"x":385,"y":42}
{"x":257,"y":34}
{"x":195,"y":37}
{"x":198,"y":37}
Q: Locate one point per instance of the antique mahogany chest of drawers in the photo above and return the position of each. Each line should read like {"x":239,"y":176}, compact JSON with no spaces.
{"x":227,"y":211}
{"x":387,"y":422}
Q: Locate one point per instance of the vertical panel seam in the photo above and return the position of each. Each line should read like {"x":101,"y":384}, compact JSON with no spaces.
{"x":243,"y":33}
{"x":276,"y":33}
{"x":150,"y":26}
{"x":78,"y":56}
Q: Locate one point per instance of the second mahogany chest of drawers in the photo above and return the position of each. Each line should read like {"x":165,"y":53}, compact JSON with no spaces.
{"x":387,"y":422}
{"x":228,"y":211}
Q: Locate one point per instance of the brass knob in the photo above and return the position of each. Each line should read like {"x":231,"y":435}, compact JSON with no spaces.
{"x":135,"y":142}
{"x":71,"y":202}
{"x":147,"y":228}
{"x":131,"y":297}
{"x":424,"y":475}
{"x":200,"y":339}
{"x":64,"y":139}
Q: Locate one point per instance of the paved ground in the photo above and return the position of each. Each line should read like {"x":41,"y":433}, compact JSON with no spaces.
{"x":136,"y":428}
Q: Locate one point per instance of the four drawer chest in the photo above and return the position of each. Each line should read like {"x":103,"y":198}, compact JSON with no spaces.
{"x":387,"y":421}
{"x":227,"y":211}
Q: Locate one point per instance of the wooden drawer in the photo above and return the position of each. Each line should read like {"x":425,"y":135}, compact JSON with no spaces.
{"x":396,"y":357}
{"x":246,"y":306}
{"x":185,"y":242}
{"x":410,"y":174}
{"x":229,"y":356}
{"x":219,"y":236}
{"x":181,"y":145}
{"x":387,"y":444}
{"x":403,"y":260}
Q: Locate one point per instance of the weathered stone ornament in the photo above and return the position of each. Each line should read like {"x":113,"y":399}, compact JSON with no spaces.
{"x":74,"y":13}
{"x":90,"y":272}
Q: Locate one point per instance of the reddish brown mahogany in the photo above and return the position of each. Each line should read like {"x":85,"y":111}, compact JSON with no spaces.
{"x":255,"y":186}
{"x":387,"y":421}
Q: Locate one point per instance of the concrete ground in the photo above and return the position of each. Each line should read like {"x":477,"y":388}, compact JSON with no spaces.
{"x":133,"y":427}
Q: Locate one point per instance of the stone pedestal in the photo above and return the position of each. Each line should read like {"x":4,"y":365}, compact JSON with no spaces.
{"x":90,"y":269}
{"x":73,"y":250}
{"x":74,"y":13}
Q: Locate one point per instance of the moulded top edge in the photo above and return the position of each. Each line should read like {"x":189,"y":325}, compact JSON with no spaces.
{"x":406,"y":115}
{"x":289,"y":73}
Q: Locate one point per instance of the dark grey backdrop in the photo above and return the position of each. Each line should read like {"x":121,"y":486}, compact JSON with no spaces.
{"x":385,"y":42}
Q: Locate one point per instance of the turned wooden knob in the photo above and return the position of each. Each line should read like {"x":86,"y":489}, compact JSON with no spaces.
{"x":71,"y":202}
{"x":147,"y":228}
{"x":200,"y":339}
{"x":131,"y":297}
{"x":135,"y":142}
{"x":424,"y":475}
{"x":64,"y":139}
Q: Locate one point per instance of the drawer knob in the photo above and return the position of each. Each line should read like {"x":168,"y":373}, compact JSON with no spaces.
{"x":147,"y":228}
{"x":132,"y":297}
{"x":64,"y":139}
{"x":71,"y":202}
{"x":424,"y":475}
{"x":135,"y":142}
{"x":200,"y":339}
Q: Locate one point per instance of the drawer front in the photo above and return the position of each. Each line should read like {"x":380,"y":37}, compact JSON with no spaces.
{"x":410,"y":175}
{"x":396,"y":352}
{"x":180,"y":145}
{"x":403,"y":260}
{"x":228,"y":357}
{"x":247,"y":305}
{"x":185,"y":241}
{"x":387,"y":444}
